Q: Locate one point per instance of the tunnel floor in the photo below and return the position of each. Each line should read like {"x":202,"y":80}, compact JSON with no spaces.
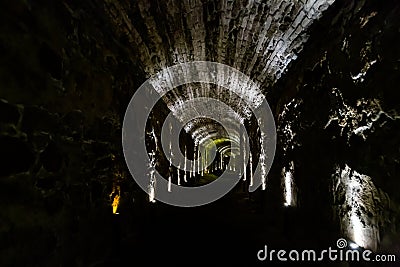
{"x":228,"y":232}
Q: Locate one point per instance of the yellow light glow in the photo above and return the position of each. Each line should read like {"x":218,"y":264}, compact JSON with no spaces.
{"x":116,"y":192}
{"x":115,"y":204}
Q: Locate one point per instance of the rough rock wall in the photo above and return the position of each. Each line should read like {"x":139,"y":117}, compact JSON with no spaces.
{"x":63,"y":79}
{"x":338,"y":105}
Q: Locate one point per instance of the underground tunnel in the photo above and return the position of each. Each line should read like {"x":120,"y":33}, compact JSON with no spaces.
{"x":87,"y":180}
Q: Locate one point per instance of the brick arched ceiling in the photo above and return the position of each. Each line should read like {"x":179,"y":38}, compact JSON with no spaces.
{"x":258,"y":38}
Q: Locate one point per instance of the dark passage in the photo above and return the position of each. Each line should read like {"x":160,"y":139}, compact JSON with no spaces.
{"x":329,"y":70}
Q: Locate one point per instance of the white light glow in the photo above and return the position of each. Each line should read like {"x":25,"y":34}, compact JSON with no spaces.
{"x":244,"y":164}
{"x":360,"y":197}
{"x":179,"y":174}
{"x":353,"y":198}
{"x":353,"y":245}
{"x":251,"y":170}
{"x":358,"y":229}
{"x":288,"y":185}
{"x":185,"y":166}
{"x":169,"y":183}
{"x":151,"y":187}
{"x":262,"y":161}
{"x":198,"y":159}
{"x":152,"y":196}
{"x":288,"y":188}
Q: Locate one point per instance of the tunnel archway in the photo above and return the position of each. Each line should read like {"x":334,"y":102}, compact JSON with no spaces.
{"x":68,"y":70}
